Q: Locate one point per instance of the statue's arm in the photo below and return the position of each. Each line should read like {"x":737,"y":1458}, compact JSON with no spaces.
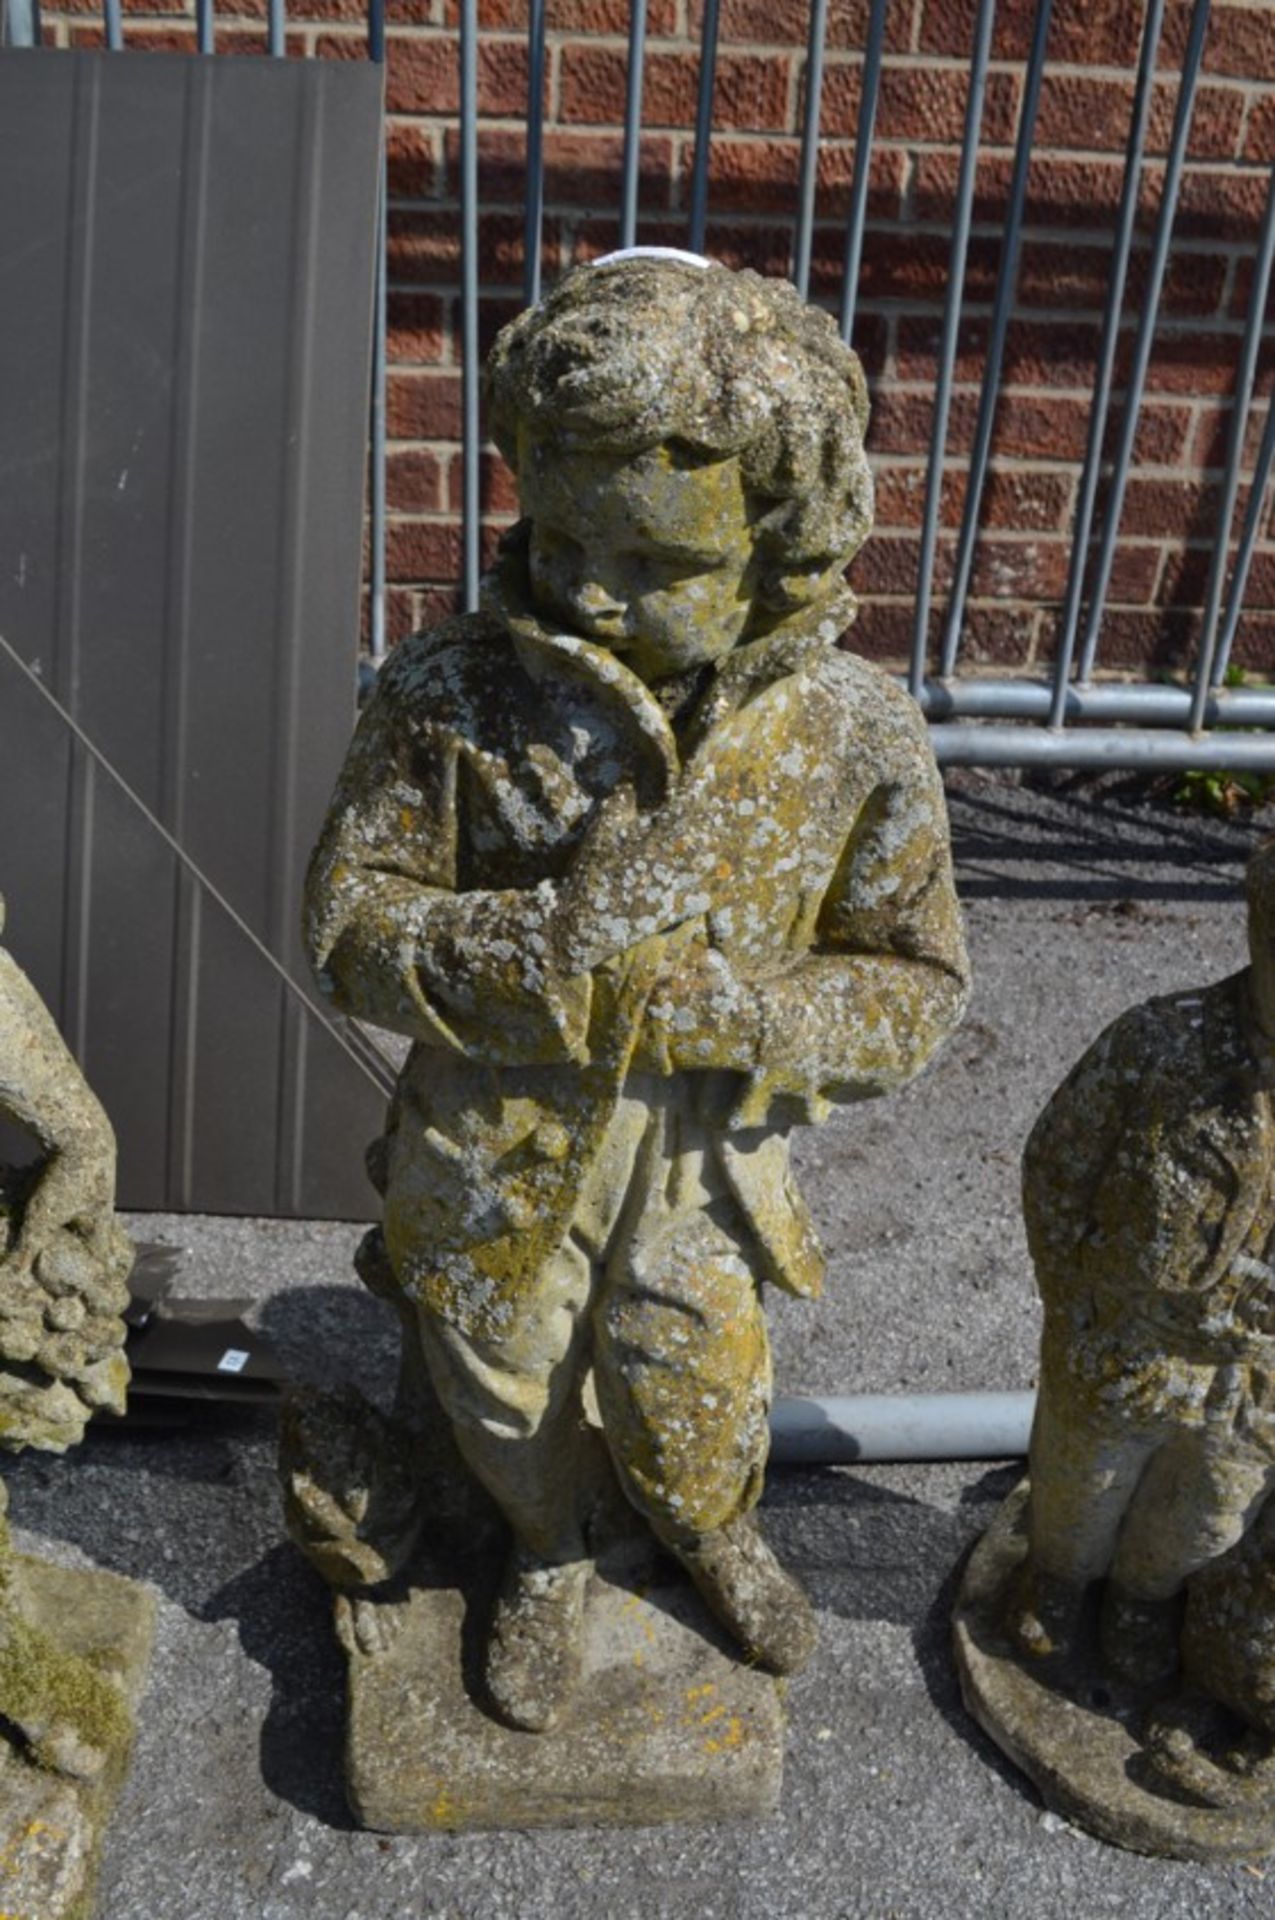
{"x":391,"y":938}
{"x":1141,"y":1176}
{"x":43,"y":1092}
{"x":886,"y":981}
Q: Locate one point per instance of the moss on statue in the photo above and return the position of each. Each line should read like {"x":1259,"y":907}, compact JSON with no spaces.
{"x":650,"y":871}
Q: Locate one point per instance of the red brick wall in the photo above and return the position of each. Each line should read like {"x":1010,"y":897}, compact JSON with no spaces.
{"x":1169,"y":517}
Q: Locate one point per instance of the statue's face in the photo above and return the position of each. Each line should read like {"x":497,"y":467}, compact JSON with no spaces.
{"x":650,"y":554}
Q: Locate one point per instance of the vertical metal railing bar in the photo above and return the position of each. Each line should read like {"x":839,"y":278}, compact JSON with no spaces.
{"x":633,"y":124}
{"x":377,"y":639}
{"x":857,"y":218}
{"x":204,"y":26}
{"x":534,"y":215}
{"x":809,"y":176}
{"x":703,"y":124}
{"x":947,"y":347}
{"x":470,"y":531}
{"x":1126,"y":218}
{"x":1236,"y":433}
{"x":1145,"y":335}
{"x":1248,"y":540}
{"x":22,"y":23}
{"x":276,"y":28}
{"x":113,"y":16}
{"x":1006,"y":281}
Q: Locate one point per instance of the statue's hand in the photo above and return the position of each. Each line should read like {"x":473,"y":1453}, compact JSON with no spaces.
{"x":634,"y":876}
{"x":591,"y":900}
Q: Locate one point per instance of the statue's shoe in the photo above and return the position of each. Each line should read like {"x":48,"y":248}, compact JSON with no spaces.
{"x":535,"y":1642}
{"x":759,"y":1604}
{"x":1043,"y":1615}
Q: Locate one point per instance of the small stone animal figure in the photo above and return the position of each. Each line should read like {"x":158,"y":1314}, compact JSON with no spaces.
{"x":1214,"y":1741}
{"x":64,"y":1267}
{"x":1149,"y":1192}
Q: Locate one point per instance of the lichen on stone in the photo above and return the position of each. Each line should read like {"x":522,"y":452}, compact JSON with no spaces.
{"x":649,"y":871}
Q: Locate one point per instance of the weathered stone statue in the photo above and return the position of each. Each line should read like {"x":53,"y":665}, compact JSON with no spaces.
{"x":73,"y":1646}
{"x":650,"y":872}
{"x":1138,"y":1601}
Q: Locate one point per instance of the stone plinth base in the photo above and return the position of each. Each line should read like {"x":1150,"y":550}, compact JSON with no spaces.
{"x":1076,"y":1733}
{"x":665,"y":1726}
{"x":51,"y":1826}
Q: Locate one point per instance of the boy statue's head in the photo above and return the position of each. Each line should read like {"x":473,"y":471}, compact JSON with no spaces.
{"x":688,"y":444}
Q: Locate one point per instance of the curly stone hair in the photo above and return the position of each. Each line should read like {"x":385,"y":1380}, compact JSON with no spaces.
{"x":638,"y":352}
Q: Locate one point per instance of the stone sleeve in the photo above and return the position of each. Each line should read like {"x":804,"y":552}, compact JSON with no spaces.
{"x":43,"y":1091}
{"x":886,"y":981}
{"x":391,"y":940}
{"x":41,"y":1088}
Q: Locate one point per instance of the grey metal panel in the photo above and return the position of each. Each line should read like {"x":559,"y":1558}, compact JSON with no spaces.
{"x":186,"y":259}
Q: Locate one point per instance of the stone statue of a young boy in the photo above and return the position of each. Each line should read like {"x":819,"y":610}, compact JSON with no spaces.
{"x":649,"y":871}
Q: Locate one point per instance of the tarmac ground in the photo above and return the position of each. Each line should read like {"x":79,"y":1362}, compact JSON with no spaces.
{"x":1081,"y":898}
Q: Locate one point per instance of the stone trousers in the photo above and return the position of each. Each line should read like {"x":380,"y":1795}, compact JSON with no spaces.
{"x":1147,"y":1490}
{"x":646,"y":1322}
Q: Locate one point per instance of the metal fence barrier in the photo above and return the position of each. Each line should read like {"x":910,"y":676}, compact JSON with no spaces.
{"x":1068,"y":719}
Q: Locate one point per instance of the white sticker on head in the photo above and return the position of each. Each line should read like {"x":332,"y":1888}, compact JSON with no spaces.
{"x":622,"y":254}
{"x":233,"y":1360}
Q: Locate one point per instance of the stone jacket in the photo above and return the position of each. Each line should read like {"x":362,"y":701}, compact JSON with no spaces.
{"x":530,"y":873}
{"x":1148,"y":1186}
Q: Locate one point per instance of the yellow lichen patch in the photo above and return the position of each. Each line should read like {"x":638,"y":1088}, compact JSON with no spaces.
{"x":444,"y":1810}
{"x":731,"y":1737}
{"x":38,"y":1834}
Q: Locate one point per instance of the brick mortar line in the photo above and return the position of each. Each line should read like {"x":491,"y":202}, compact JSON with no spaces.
{"x":611,"y":41}
{"x":835,"y":58}
{"x":894,"y":533}
{"x":1007,"y":466}
{"x":1172,"y":326}
{"x":574,"y":216}
{"x":905,"y":144}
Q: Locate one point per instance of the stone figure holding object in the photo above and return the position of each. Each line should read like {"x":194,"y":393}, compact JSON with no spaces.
{"x":650,"y":872}
{"x":1149,"y":1194}
{"x":72,"y":1645}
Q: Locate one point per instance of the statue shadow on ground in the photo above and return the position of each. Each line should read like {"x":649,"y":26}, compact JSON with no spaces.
{"x":283,"y":1615}
{"x":865,"y":1551}
{"x":1064,"y":841}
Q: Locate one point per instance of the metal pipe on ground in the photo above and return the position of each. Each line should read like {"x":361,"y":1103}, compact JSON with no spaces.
{"x":900,"y":1426}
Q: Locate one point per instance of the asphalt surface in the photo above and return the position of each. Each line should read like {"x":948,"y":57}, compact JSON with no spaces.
{"x":1081,"y":899}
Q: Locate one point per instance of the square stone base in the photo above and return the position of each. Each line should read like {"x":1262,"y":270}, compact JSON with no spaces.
{"x":667,"y":1725}
{"x":51,"y":1827}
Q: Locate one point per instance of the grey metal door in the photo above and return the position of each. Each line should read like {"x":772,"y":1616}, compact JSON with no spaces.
{"x":186,"y":273}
